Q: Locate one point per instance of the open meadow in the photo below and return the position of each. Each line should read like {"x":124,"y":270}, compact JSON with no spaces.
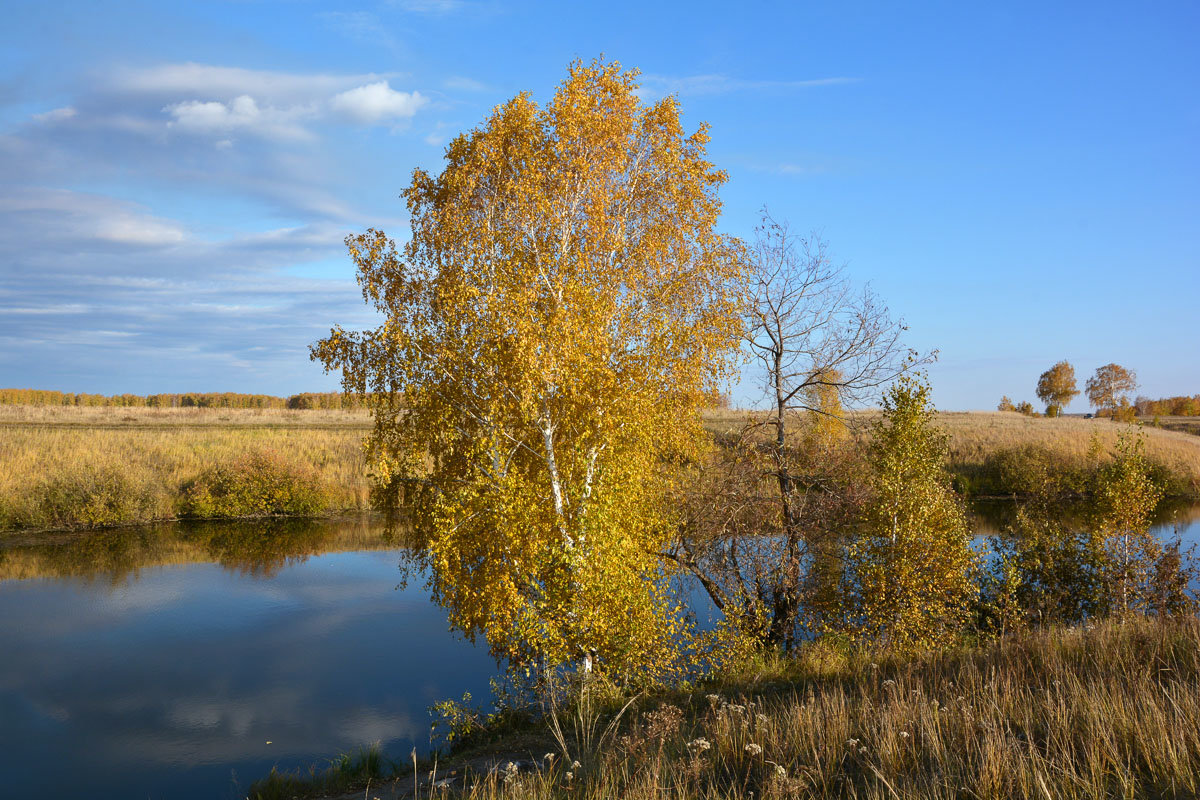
{"x":66,"y":467}
{"x":80,"y":467}
{"x":1004,"y":453}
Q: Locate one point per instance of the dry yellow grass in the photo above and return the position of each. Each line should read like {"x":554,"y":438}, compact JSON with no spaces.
{"x":116,"y":417}
{"x":978,"y":436}
{"x":69,"y":466}
{"x":53,"y":458}
{"x":1107,"y":711}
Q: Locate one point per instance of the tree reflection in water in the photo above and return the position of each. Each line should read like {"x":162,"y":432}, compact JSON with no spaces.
{"x":257,"y":548}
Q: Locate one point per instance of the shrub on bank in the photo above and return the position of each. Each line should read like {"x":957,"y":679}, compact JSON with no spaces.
{"x":257,"y":484}
{"x":1033,"y":470}
{"x":85,"y":496}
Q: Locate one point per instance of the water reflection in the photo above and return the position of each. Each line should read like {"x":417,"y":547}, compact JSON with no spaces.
{"x":160,"y":662}
{"x":992,"y":517}
{"x":258,"y":549}
{"x":166,"y":661}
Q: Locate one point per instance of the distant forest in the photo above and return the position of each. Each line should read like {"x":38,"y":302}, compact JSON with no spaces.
{"x":304,"y":400}
{"x":1181,"y":406}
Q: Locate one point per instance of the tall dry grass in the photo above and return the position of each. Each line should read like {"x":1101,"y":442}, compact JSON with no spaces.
{"x":1004,"y":452}
{"x":118,"y":417}
{"x":995,"y":452}
{"x":976,"y":434}
{"x":1112,"y":711}
{"x":89,"y":467}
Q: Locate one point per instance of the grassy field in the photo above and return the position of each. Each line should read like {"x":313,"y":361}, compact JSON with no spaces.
{"x":1110,"y":711}
{"x":111,"y":417}
{"x":976,"y":434}
{"x":1003,"y":452}
{"x":1182,"y":424}
{"x":87,"y":467}
{"x":993,"y":452}
{"x":67,"y":467}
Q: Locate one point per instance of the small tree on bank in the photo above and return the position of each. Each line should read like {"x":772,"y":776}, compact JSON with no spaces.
{"x":1051,"y":569}
{"x":1056,"y":388}
{"x":1126,"y":497}
{"x":818,"y":345}
{"x":562,"y":310}
{"x":910,"y":570}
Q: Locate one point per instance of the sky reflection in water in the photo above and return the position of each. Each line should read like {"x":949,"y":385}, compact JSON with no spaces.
{"x":168,"y":681}
{"x":159,"y":662}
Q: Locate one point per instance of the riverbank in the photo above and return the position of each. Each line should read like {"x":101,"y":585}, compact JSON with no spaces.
{"x":70,"y":468}
{"x":64,"y":468}
{"x":1109,"y":710}
{"x":1005,"y":454}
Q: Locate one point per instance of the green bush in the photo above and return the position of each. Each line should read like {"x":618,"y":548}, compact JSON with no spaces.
{"x":257,"y":484}
{"x":1025,"y":470}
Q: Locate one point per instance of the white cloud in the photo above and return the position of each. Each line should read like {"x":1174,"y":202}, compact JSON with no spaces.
{"x":57,"y":115}
{"x":74,"y":218}
{"x":361,"y":26}
{"x":463,"y":83}
{"x":219,"y":101}
{"x":376,"y":102}
{"x":802,"y":170}
{"x":227,"y":83}
{"x":65,"y":308}
{"x":242,"y":113}
{"x":139,"y":229}
{"x":438,"y":136}
{"x":214,"y":115}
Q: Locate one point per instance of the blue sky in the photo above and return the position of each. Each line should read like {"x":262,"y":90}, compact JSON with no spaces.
{"x":1019,"y":181}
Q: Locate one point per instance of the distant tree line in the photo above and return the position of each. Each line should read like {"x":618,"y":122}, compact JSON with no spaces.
{"x":1181,"y":406}
{"x":304,"y":400}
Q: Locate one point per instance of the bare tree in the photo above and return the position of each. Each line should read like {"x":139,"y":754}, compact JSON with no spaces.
{"x":808,"y":328}
{"x":819,"y":345}
{"x":813,"y":336}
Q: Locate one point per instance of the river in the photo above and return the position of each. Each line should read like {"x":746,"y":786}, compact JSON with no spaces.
{"x":184,"y":661}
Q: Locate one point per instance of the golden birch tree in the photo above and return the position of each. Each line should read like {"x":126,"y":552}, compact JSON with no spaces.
{"x":1107,"y":390}
{"x":563,"y":308}
{"x":1056,"y":388}
{"x":1126,"y":497}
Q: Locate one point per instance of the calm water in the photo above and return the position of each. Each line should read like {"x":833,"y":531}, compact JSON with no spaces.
{"x":185,"y":661}
{"x":135,"y":667}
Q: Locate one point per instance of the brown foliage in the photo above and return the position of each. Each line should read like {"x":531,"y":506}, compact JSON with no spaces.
{"x":1110,"y":386}
{"x":305,"y":400}
{"x":774,"y":576}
